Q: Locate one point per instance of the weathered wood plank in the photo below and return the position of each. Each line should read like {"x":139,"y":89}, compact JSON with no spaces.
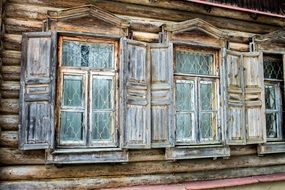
{"x":238,"y":46}
{"x":16,"y":26}
{"x":10,"y":73}
{"x":10,"y":89}
{"x":150,"y":167}
{"x":243,"y":150}
{"x":10,"y":57}
{"x":165,"y":4}
{"x":9,"y":106}
{"x":147,"y":155}
{"x":163,"y":14}
{"x":28,"y":11}
{"x":105,"y":182}
{"x":9,"y":139}
{"x":145,"y":37}
{"x":12,"y":42}
{"x":10,"y":156}
{"x":9,"y":122}
{"x":216,"y":11}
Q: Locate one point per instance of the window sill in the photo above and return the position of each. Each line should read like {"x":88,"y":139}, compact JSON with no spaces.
{"x":188,"y":152}
{"x":271,"y":148}
{"x":81,"y":156}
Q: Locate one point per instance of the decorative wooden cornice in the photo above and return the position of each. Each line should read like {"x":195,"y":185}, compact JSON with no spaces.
{"x":88,"y":10}
{"x":196,"y":24}
{"x":276,"y":36}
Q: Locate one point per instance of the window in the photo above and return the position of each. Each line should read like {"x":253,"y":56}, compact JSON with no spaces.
{"x":273,"y":81}
{"x":87,"y":93}
{"x":196,"y":96}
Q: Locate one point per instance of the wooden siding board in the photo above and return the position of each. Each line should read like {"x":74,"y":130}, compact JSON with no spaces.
{"x":37,"y":107}
{"x":162,"y":115}
{"x":132,"y":180}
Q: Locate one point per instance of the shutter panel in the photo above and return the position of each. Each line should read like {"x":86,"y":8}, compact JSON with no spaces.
{"x":36,"y":130}
{"x":135,"y":94}
{"x":254,"y":97}
{"x":234,"y":98}
{"x":161,"y":95}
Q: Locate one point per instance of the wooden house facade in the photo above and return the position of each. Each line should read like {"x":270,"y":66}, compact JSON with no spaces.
{"x":103,"y":94}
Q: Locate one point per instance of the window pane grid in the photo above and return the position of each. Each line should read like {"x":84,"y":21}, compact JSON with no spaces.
{"x":81,"y":54}
{"x":273,"y":110}
{"x":194,"y":63}
{"x":102,"y":114}
{"x":196,"y":122}
{"x":91,"y":125}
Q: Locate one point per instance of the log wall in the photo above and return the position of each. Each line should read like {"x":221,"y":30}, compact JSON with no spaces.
{"x":27,"y":170}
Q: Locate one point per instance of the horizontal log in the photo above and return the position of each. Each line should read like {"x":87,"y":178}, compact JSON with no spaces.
{"x":28,"y":11}
{"x":9,"y":139}
{"x":11,"y":54}
{"x":238,"y":47}
{"x":143,"y":26}
{"x":12,"y":38}
{"x":12,"y":42}
{"x":146,"y":37}
{"x":214,"y":11}
{"x":147,"y":155}
{"x":10,"y":57}
{"x":243,"y":150}
{"x":10,"y":89}
{"x":9,"y":122}
{"x":9,"y":106}
{"x":11,"y":73}
{"x":178,"y":5}
{"x":108,"y":182}
{"x":164,"y":14}
{"x":10,"y":156}
{"x":16,"y":26}
{"x":159,"y":167}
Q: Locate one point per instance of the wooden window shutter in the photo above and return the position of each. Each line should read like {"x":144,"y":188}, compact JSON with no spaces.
{"x":234,"y":98}
{"x":162,"y":124}
{"x":135,"y":94}
{"x":36,"y":130}
{"x":245,"y":114}
{"x":254,"y":98}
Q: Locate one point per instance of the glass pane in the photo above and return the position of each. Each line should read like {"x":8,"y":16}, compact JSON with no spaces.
{"x":271,"y":125}
{"x":185,"y":96}
{"x":206,"y":123}
{"x":72,"y":91}
{"x":101,"y":55}
{"x":102,"y":93}
{"x":206,"y":96}
{"x":270,"y":98}
{"x":194,"y":63}
{"x":273,"y":68}
{"x":71,"y":128}
{"x":184,"y":126}
{"x":71,"y":52}
{"x":81,"y":54}
{"x":84,"y":55}
{"x":101,"y":129}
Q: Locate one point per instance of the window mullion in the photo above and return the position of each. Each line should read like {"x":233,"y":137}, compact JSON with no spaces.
{"x":197,"y":105}
{"x":88,"y":107}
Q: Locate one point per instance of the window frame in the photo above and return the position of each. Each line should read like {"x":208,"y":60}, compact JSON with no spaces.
{"x":88,"y":73}
{"x":277,"y":84}
{"x":197,"y":79}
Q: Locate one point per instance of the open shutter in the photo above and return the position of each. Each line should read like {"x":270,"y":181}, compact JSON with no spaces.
{"x":234,"y":98}
{"x":161,"y":95}
{"x":254,"y":98}
{"x":36,"y":130}
{"x":135,"y":94}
